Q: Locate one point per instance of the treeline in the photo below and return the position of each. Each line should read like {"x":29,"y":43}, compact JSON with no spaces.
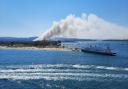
{"x":32,"y":44}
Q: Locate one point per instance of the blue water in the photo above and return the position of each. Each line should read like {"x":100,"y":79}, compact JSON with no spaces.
{"x":41,"y":69}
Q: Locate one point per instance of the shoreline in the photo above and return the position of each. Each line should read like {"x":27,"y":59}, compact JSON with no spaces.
{"x":36,"y":48}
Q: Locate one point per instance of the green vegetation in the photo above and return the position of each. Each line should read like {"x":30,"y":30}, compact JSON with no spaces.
{"x":32,"y":44}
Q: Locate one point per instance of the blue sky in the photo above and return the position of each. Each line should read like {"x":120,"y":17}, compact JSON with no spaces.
{"x":25,"y":18}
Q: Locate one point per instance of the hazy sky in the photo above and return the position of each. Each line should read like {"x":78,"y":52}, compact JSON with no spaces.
{"x":24,"y":18}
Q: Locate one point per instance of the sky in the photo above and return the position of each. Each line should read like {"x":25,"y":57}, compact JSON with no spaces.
{"x":27,"y":18}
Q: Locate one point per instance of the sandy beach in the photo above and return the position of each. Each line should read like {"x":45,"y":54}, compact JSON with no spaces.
{"x":35,"y":48}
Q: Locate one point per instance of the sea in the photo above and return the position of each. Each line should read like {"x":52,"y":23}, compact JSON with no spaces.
{"x":50,"y":69}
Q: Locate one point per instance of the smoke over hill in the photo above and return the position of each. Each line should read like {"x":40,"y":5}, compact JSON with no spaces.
{"x":85,"y":27}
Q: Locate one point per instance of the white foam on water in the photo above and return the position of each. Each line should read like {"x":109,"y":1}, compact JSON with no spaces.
{"x":41,"y":70}
{"x":112,"y":68}
{"x":60,"y":72}
{"x":82,"y":66}
{"x":59,"y":76}
{"x":100,"y":67}
{"x":37,"y":66}
{"x":126,"y":69}
{"x":58,"y":66}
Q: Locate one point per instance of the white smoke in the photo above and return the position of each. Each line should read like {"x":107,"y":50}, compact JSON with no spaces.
{"x":86,"y":27}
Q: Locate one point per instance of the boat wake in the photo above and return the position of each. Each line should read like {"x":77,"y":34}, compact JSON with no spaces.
{"x":62,"y":72}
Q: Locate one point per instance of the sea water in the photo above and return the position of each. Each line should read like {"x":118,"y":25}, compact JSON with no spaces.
{"x":47,"y":69}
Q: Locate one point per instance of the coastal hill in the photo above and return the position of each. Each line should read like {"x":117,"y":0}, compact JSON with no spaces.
{"x":17,"y":39}
{"x":28,"y":42}
{"x":62,"y":39}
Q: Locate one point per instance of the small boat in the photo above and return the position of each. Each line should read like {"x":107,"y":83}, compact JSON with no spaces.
{"x":97,"y":50}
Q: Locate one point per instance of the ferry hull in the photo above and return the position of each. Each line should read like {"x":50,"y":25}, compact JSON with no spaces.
{"x":98,"y":52}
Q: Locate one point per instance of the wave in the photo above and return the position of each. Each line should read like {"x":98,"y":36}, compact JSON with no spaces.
{"x":60,"y":76}
{"x":62,"y":72}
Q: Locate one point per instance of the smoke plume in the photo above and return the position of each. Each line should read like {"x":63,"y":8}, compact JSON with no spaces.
{"x":85,"y":27}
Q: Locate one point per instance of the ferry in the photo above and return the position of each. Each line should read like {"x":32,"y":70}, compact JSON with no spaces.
{"x":97,"y":50}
